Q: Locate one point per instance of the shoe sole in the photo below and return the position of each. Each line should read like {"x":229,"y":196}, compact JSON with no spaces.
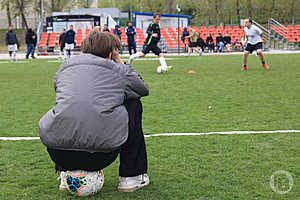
{"x":170,"y":68}
{"x":133,"y":189}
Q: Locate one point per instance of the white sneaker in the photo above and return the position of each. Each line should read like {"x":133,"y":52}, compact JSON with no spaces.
{"x":63,"y":181}
{"x":131,"y":184}
{"x":130,"y":59}
{"x":169,"y":68}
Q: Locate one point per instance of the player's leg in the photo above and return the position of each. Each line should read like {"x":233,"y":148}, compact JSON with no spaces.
{"x":61,"y":51}
{"x":134,"y":47}
{"x":189,"y":51}
{"x":145,"y":50}
{"x":163,"y":62}
{"x":246,"y":53}
{"x":32,"y":50}
{"x":15,"y":52}
{"x":130,"y":48}
{"x":248,"y":50}
{"x":72,"y":50}
{"x":133,"y":156}
{"x":258,"y":48}
{"x":28,"y":50}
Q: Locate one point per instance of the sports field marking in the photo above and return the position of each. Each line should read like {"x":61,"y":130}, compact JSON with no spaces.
{"x":5,"y":62}
{"x":59,"y":61}
{"x":54,"y":61}
{"x":179,"y":134}
{"x":150,"y":59}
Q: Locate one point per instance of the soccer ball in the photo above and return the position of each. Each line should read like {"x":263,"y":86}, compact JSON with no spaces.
{"x":161,"y":69}
{"x":83,"y":183}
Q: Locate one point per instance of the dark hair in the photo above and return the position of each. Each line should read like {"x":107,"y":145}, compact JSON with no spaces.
{"x":155,"y":15}
{"x":250,"y":20}
{"x":100,"y":44}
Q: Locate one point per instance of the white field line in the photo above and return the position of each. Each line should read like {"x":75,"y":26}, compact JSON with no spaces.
{"x":140,"y":59}
{"x":5,"y":62}
{"x":178,"y":134}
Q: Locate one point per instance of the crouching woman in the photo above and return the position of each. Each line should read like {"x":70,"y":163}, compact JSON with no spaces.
{"x":97,"y":115}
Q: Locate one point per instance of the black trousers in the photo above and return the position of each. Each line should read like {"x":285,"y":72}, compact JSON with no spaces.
{"x":133,"y":155}
{"x":131,"y":45}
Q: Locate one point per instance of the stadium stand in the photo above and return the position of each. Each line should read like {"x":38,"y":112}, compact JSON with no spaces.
{"x":170,"y":36}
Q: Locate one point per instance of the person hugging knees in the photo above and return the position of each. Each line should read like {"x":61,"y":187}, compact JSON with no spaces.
{"x":97,"y":116}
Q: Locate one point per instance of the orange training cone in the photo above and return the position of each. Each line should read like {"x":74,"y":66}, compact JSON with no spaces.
{"x":192,"y":72}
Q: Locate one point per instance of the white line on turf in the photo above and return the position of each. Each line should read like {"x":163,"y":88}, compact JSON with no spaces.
{"x":179,"y":134}
{"x":55,"y":61}
{"x":5,"y":62}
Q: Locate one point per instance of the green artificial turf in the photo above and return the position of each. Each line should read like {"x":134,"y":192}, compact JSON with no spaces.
{"x":180,"y":167}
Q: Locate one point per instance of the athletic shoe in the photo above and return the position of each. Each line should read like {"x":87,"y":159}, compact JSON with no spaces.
{"x":265,"y":66}
{"x":130,"y":60}
{"x":131,"y":184}
{"x":63,"y":181}
{"x":169,"y":68}
{"x":244,"y":68}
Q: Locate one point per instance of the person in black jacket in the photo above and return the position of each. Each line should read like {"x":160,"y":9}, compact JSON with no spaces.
{"x":12,"y":43}
{"x":150,"y":44}
{"x":227,"y":42}
{"x":30,"y":42}
{"x":61,"y":43}
{"x":185,"y":34}
{"x":130,"y":32}
{"x":220,"y":42}
{"x":210,"y":43}
{"x":201,"y":43}
{"x":105,"y":28}
{"x":70,"y":41}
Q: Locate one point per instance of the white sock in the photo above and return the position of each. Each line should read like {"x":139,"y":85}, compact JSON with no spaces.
{"x":133,"y":57}
{"x":65,"y":54}
{"x":162,"y":61}
{"x":14,"y":55}
{"x":71,"y":54}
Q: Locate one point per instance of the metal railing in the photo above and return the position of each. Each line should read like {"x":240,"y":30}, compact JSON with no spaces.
{"x":278,"y":34}
{"x":266,"y":34}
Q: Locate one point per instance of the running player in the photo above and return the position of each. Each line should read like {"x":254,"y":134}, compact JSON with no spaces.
{"x":150,"y":44}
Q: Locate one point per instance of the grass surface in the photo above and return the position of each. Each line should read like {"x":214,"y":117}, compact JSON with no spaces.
{"x":191,"y":167}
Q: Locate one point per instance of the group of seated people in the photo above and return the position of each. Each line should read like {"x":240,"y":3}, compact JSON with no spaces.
{"x":223,"y":43}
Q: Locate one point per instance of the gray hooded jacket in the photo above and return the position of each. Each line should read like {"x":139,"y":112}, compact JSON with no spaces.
{"x":89,"y":114}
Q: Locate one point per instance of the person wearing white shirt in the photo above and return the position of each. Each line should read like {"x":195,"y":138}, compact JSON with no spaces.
{"x":254,"y":35}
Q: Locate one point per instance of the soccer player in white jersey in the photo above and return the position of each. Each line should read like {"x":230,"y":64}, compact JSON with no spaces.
{"x":254,"y":36}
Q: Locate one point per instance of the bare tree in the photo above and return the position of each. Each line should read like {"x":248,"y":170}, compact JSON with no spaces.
{"x":170,"y":6}
{"x":21,"y":9}
{"x":292,"y":11}
{"x":249,"y":8}
{"x":5,"y":4}
{"x":238,"y":9}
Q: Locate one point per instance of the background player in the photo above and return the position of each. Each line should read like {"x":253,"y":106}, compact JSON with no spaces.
{"x":254,"y":36}
{"x":150,"y":44}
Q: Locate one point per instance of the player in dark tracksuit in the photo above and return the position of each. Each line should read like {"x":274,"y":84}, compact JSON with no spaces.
{"x":130,"y":32}
{"x":150,"y":44}
{"x":61,"y":42}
